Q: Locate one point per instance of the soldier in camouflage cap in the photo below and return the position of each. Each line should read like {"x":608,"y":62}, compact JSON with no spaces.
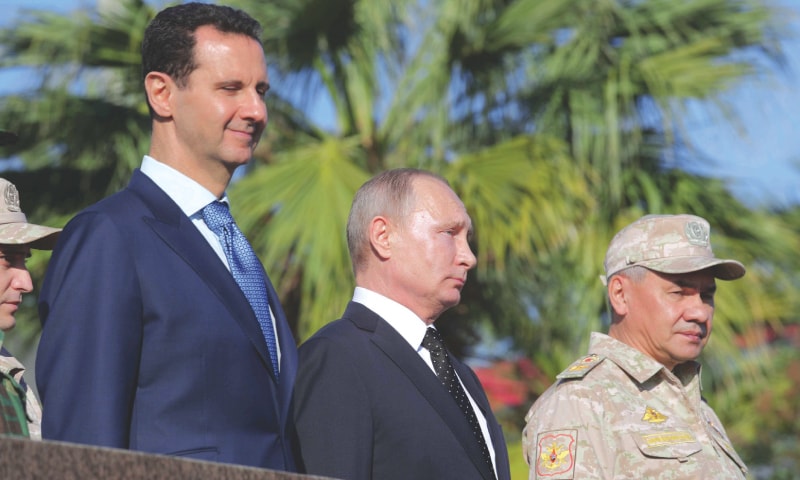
{"x":20,"y":412}
{"x":632,"y":408}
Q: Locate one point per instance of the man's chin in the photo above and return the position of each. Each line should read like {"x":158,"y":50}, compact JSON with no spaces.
{"x":690,"y":355}
{"x":235,"y":162}
{"x":6,"y":325}
{"x":451,"y":301}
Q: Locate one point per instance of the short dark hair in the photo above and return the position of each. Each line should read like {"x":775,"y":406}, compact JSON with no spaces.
{"x":169,"y":40}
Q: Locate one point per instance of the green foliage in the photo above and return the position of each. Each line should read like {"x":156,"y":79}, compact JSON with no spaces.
{"x":304,"y":198}
{"x":519,"y":469}
{"x":763,"y":417}
{"x":88,"y":112}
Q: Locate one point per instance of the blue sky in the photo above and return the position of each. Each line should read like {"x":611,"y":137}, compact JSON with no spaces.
{"x":759,"y":158}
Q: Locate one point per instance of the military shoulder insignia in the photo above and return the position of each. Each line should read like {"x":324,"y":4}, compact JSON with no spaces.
{"x":555,"y":454}
{"x":651,"y":415}
{"x":581,"y":367}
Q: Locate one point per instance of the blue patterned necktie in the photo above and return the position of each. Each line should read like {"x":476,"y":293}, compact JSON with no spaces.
{"x":246,"y":269}
{"x":447,"y":375}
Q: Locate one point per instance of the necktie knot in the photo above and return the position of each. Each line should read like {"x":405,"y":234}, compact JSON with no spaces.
{"x":433,"y":341}
{"x":217,"y":215}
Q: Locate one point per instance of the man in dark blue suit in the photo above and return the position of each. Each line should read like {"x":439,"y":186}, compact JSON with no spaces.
{"x":148,"y":341}
{"x":375,"y":396}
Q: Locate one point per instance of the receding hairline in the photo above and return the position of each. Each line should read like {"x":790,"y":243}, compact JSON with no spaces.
{"x":389,"y":194}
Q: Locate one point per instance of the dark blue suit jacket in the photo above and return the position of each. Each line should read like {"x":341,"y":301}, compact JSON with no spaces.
{"x":149,"y":344}
{"x":368,"y":407}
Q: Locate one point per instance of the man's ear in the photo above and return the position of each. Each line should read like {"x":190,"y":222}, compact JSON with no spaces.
{"x":379,"y":237}
{"x":159,"y":87}
{"x":617,"y":294}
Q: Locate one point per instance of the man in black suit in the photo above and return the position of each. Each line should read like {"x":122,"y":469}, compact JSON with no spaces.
{"x":374,"y":397}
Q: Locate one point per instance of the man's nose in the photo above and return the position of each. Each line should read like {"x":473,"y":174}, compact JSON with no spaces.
{"x":22,"y":280}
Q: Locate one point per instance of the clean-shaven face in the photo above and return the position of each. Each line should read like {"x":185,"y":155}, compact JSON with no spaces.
{"x":14,"y":281}
{"x":430,"y":251}
{"x":221,"y":112}
{"x":670,"y":315}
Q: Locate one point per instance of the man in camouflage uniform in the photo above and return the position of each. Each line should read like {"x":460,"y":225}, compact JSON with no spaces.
{"x":20,"y":412}
{"x":632,"y":408}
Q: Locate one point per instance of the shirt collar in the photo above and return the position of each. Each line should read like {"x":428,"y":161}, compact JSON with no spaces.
{"x":8,"y":364}
{"x":635,"y":363}
{"x":407,"y":324}
{"x":189,"y":195}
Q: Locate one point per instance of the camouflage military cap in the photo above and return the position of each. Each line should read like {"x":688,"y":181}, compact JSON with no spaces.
{"x":668,"y":244}
{"x":14,"y":226}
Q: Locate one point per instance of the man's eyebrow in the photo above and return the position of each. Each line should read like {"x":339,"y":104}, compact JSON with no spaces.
{"x":684,"y":283}
{"x":10,"y":252}
{"x":13,"y":249}
{"x":459,"y":224}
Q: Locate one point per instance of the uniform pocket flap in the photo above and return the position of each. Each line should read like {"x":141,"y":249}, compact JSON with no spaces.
{"x":673,"y":444}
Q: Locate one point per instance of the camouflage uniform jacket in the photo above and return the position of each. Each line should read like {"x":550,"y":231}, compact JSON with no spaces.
{"x":617,"y":413}
{"x":11,"y":369}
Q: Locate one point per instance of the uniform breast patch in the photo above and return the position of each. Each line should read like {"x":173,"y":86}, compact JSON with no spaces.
{"x":556,"y":454}
{"x":651,"y":415}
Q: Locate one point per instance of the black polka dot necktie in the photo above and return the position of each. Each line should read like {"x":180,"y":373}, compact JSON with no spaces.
{"x":246,"y":270}
{"x":444,"y":370}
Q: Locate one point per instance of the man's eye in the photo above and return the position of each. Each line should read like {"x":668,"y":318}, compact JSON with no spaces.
{"x":15,"y":258}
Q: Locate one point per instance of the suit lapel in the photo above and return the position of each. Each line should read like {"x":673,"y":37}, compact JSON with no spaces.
{"x":178,"y":232}
{"x":394,"y":346}
{"x":288,"y":346}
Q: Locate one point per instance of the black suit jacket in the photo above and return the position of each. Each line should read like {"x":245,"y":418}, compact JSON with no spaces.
{"x":368,"y":407}
{"x":149,"y":344}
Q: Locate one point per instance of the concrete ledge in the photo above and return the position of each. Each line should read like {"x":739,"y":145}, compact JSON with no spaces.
{"x":22,"y":459}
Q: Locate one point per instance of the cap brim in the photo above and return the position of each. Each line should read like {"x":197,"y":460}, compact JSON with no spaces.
{"x":35,"y":236}
{"x":721,"y":268}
